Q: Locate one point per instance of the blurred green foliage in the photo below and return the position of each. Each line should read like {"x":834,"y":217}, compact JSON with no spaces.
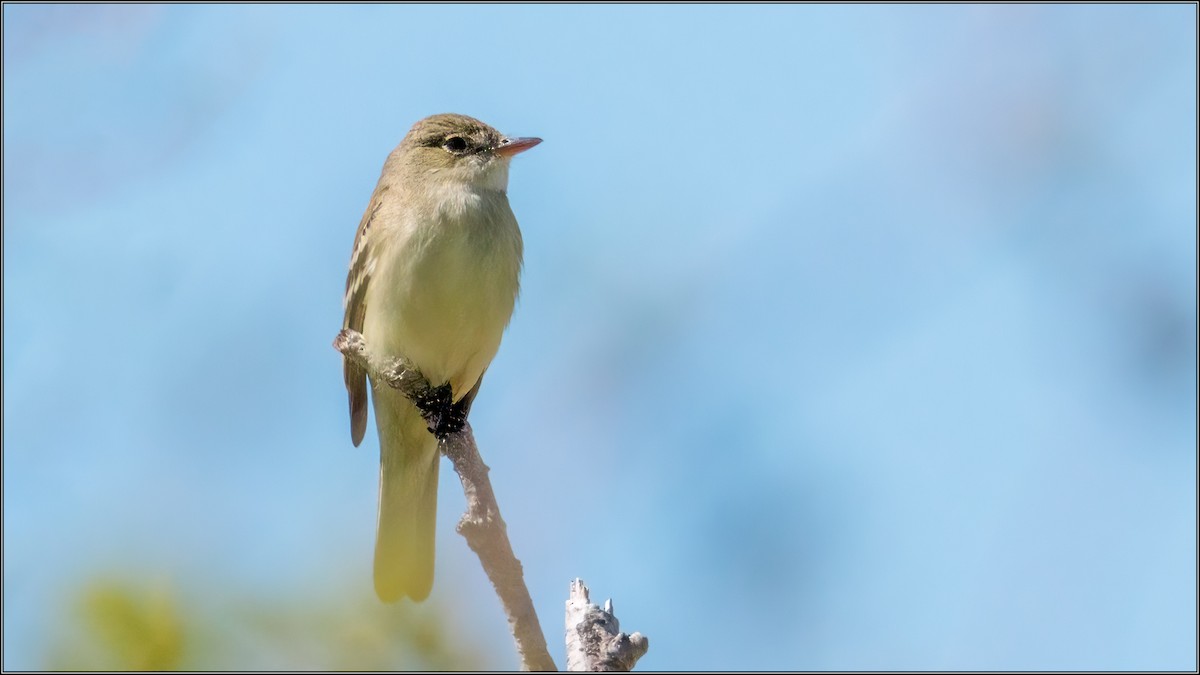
{"x":121,"y":624}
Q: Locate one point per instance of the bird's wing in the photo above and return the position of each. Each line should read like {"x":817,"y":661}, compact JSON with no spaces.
{"x":362,"y":264}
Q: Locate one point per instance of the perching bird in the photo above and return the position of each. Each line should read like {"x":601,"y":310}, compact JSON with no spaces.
{"x":434,"y":276}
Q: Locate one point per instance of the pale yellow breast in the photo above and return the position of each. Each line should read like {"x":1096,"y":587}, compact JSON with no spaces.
{"x":444,"y":290}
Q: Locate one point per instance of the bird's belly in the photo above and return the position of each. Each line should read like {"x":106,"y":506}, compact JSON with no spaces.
{"x":445,"y":310}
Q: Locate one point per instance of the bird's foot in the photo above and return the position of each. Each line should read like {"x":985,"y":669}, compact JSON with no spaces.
{"x":441,"y":414}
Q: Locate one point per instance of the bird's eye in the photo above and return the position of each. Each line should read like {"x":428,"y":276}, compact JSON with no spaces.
{"x":455,"y":144}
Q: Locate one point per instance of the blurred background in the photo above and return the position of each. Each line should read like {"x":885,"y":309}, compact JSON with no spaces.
{"x":851,"y":337}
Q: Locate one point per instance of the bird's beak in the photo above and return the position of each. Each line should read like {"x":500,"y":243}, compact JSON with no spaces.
{"x":511,"y":146}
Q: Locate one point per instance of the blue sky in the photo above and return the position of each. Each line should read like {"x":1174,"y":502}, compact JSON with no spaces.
{"x":869,"y":332}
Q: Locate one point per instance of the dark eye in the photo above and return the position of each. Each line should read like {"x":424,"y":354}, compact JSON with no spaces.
{"x":455,"y":144}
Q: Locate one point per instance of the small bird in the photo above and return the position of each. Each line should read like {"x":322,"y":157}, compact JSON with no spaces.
{"x":434,"y":276}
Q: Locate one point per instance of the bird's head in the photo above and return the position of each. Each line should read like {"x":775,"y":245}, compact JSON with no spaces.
{"x":462,"y":149}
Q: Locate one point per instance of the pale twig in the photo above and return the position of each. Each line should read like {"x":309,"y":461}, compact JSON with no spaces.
{"x":594,"y":640}
{"x":481,"y":525}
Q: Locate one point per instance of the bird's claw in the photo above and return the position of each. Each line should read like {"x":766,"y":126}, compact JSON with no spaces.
{"x":442,"y":416}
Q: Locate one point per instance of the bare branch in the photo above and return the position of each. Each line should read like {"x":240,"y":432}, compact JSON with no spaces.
{"x":397,"y":372}
{"x":487,"y":535}
{"x":594,"y":642}
{"x":481,"y":525}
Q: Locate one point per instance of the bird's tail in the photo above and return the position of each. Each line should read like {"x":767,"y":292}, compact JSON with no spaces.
{"x":408,"y":482}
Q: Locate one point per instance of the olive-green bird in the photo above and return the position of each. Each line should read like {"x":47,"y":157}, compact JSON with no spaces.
{"x":434,"y":276}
